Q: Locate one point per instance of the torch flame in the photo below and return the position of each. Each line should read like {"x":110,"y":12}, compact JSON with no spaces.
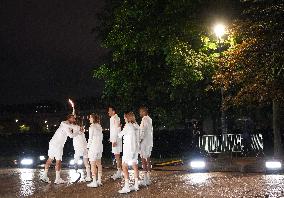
{"x":71,"y":102}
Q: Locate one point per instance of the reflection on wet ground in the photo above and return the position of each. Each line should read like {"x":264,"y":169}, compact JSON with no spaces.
{"x":196,"y":178}
{"x":25,"y":182}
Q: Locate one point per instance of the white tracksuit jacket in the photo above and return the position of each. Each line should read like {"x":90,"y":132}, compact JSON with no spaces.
{"x":146,"y":133}
{"x":80,"y":142}
{"x":65,"y":130}
{"x":114,"y":128}
{"x":95,"y":141}
{"x":130,"y":134}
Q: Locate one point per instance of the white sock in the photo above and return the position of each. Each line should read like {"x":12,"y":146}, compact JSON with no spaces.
{"x":45,"y":172}
{"x":100,"y":176}
{"x":145,"y":175}
{"x":136,"y":182}
{"x":88,"y":172}
{"x":94,"y":179}
{"x":119,"y":172}
{"x":126,"y":183}
{"x":57,"y":175}
{"x":148,"y":176}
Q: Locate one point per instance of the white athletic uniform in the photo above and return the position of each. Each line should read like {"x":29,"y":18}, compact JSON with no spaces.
{"x":58,"y":140}
{"x":146,"y":137}
{"x":130,"y":134}
{"x":80,"y":146}
{"x":114,"y":129}
{"x":95,"y":142}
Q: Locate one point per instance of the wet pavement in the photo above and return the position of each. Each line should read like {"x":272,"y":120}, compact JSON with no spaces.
{"x":25,"y":182}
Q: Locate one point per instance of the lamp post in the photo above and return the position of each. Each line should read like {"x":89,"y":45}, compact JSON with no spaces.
{"x":219,"y":30}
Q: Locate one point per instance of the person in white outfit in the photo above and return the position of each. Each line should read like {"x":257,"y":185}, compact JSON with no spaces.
{"x":116,"y":142}
{"x":80,"y":148}
{"x":66,"y":129}
{"x":95,"y":145}
{"x":146,"y":144}
{"x":130,"y":134}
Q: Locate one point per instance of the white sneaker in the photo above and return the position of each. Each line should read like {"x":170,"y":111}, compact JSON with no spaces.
{"x":116,"y":176}
{"x":148,"y":182}
{"x":142,"y":182}
{"x":99,"y":183}
{"x":124,"y":190}
{"x":60,"y":181}
{"x":92,"y":185}
{"x":134,"y":188}
{"x":88,"y":179}
{"x":45,"y":179}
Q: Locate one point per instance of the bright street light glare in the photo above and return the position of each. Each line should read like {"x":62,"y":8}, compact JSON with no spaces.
{"x":72,"y":162}
{"x":41,"y":158}
{"x":80,"y":162}
{"x":197,"y":164}
{"x":219,"y":30}
{"x":273,"y":165}
{"x":27,"y":161}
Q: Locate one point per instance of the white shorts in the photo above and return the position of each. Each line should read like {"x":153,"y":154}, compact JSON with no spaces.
{"x":55,"y":152}
{"x":93,"y":156}
{"x":145,"y":152}
{"x":118,"y":148}
{"x":81,"y":153}
{"x":130,"y":158}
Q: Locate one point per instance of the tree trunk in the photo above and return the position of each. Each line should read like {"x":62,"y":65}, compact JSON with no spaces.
{"x":276,"y":129}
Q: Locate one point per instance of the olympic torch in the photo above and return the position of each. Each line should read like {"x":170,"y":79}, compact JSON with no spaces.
{"x":73,"y":106}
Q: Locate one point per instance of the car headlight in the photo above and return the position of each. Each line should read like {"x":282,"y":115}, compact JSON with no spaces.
{"x":273,"y":165}
{"x":80,"y":162}
{"x":27,"y":161}
{"x":197,"y":164}
{"x":72,"y":162}
{"x":41,"y":158}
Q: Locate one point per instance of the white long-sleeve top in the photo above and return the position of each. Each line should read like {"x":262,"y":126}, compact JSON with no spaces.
{"x":65,"y":130}
{"x":130,"y":134}
{"x":114,"y":128}
{"x":146,"y":131}
{"x":95,"y":141}
{"x":80,"y":142}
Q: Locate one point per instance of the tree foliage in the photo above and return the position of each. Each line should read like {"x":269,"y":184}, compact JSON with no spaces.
{"x":252,"y":71}
{"x":155,"y":49}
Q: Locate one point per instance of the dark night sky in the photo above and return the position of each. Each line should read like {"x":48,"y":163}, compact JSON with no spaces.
{"x":48,"y":50}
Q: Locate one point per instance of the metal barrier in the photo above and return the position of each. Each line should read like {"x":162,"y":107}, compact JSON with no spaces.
{"x":229,"y":143}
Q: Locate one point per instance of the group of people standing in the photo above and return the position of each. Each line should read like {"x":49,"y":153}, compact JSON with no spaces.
{"x":132,"y":140}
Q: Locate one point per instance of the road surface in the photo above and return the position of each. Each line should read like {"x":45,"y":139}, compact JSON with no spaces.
{"x":166,"y":183}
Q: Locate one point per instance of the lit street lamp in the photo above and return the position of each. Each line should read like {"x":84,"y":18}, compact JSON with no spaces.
{"x":219,"y":30}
